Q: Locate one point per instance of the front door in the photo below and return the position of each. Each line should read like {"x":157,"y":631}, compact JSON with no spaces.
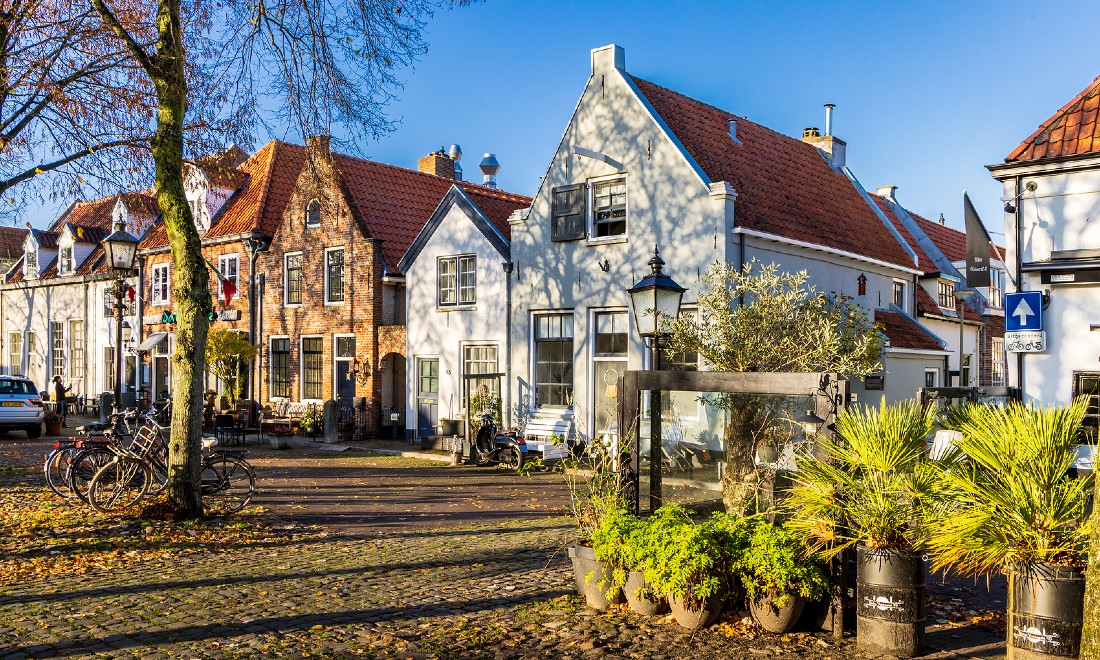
{"x":345,"y":387}
{"x":427,"y":372}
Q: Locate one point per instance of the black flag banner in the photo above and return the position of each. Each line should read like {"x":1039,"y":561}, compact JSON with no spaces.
{"x":977,"y":247}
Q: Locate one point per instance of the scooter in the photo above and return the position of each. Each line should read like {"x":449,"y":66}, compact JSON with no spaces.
{"x":491,"y":446}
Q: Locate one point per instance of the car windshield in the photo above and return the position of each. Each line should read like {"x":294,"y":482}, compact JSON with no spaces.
{"x":17,"y":387}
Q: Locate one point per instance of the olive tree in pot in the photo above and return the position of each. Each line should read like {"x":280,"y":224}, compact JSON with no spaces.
{"x":869,"y":489}
{"x":1008,"y":503}
{"x":778,"y":576}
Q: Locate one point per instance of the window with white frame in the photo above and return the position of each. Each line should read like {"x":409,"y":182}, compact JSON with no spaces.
{"x":334,"y":275}
{"x":313,"y":213}
{"x":996,"y":287}
{"x":313,"y":367}
{"x":76,"y":348}
{"x":65,"y":260}
{"x":964,"y":374}
{"x":32,"y":352}
{"x":229,"y":266}
{"x":480,"y":361}
{"x":899,"y":293}
{"x":998,"y":366}
{"x":457,"y":280}
{"x":57,"y":347}
{"x":15,"y":353}
{"x":128,"y":308}
{"x":946,"y":295}
{"x":280,"y":367}
{"x":608,"y":208}
{"x":931,"y":377}
{"x":30,"y":264}
{"x":292,"y":292}
{"x":160,"y":284}
{"x":554,"y":359}
{"x":609,"y":364}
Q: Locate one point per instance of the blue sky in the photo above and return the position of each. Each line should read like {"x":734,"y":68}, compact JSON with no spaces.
{"x":927,"y":93}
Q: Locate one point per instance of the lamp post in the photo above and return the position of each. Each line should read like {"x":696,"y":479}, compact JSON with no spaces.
{"x":961,"y":296}
{"x":655,"y":297}
{"x":121,"y":250}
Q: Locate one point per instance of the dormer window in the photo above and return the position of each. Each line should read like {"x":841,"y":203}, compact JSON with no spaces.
{"x":65,"y":261}
{"x":313,"y":213}
{"x":30,"y":264}
{"x":947,"y":295}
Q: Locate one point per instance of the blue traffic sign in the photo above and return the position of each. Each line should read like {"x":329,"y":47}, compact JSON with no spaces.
{"x":1024,"y":311}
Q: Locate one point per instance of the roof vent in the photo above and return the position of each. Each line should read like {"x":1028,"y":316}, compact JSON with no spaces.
{"x":829,"y":118}
{"x":942,"y":220}
{"x":889,"y":192}
{"x":733,"y":129}
{"x":455,"y":152}
{"x":489,"y":167}
{"x":810,"y":133}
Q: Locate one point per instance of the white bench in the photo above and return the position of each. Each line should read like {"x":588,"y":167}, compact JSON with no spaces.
{"x":542,"y":427}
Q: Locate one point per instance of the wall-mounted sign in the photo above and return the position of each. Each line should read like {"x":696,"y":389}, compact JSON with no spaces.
{"x":874,"y":382}
{"x":1026,"y":341}
{"x":1023,"y":312}
{"x":168,"y":317}
{"x":229,"y":315}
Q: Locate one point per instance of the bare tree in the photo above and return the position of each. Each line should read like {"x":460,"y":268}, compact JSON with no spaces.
{"x":215,"y":67}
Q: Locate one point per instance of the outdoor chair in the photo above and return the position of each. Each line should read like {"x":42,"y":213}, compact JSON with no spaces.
{"x":226,"y":430}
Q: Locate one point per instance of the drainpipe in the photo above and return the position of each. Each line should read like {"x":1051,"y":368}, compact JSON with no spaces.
{"x":508,"y":268}
{"x":1019,"y":278}
{"x":254,"y":247}
{"x":139,"y":311}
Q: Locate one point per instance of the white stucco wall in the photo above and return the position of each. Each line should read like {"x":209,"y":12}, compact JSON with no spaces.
{"x":443,"y":332}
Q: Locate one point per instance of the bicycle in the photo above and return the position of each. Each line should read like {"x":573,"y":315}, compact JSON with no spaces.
{"x":94,"y":450}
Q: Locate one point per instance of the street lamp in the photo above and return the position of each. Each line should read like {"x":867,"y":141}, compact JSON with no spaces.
{"x":121,"y":250}
{"x":655,"y":297}
{"x":961,"y":296}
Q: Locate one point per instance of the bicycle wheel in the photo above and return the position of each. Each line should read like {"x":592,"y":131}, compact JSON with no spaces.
{"x":119,"y":484}
{"x":227,"y":483}
{"x":158,"y":463}
{"x":84,"y":466}
{"x":56,"y":469}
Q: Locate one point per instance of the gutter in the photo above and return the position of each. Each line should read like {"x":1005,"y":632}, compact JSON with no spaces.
{"x":822,"y":248}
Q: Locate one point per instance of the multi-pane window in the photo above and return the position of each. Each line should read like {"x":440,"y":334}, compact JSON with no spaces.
{"x":457,"y":278}
{"x":160,"y":284}
{"x":964,"y":375}
{"x":57,"y":344}
{"x":15,"y":353}
{"x":899,"y":294}
{"x":930,"y":377}
{"x":280,"y":367}
{"x":1088,"y":385}
{"x":293,"y":279}
{"x":609,"y":362}
{"x":65,"y":260}
{"x":313,"y":367}
{"x":480,"y":361}
{"x":110,"y":368}
{"x":30,"y":264}
{"x":609,"y":208}
{"x":313,"y":213}
{"x":947,"y":295}
{"x":76,"y":348}
{"x":334,"y":275}
{"x":996,"y":287}
{"x":109,"y":302}
{"x":554,"y":360}
{"x":998,"y":367}
{"x":228,"y":266}
{"x":345,"y":347}
{"x":429,"y":376}
{"x":32,"y":351}
{"x":611,"y":334}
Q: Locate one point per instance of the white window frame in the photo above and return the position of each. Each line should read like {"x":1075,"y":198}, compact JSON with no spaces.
{"x":533,"y":350}
{"x":904,"y":294}
{"x":76,"y":347}
{"x":286,"y":280}
{"x":223,"y":261}
{"x":57,"y":353}
{"x":595,"y":372}
{"x":302,"y":368}
{"x":940,"y":284}
{"x":935,"y":377}
{"x":996,"y":288}
{"x":998,"y":366}
{"x":30,"y":347}
{"x":65,"y":265}
{"x":29,"y":272}
{"x":344,"y":292}
{"x":271,"y":368}
{"x":590,"y":219}
{"x":336,"y":337}
{"x":161,"y":293}
{"x":457,"y":260}
{"x":15,"y":339}
{"x":309,"y":204}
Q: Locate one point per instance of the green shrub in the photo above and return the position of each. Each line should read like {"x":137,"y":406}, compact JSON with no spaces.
{"x":775,"y":563}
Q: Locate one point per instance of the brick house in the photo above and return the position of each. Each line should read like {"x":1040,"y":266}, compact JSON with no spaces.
{"x":237,"y":202}
{"x":333,"y":313}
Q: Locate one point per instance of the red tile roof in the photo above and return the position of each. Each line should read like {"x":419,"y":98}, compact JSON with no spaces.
{"x":950,"y":242}
{"x":46,"y":239}
{"x":927,"y":305}
{"x":11,"y":242}
{"x":784,"y":186}
{"x":393,"y":203}
{"x":904,"y":332}
{"x":1072,"y":131}
{"x":96,"y":214}
{"x":924,"y":262}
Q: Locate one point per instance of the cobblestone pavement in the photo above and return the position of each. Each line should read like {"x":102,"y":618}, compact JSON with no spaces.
{"x":379,"y":586}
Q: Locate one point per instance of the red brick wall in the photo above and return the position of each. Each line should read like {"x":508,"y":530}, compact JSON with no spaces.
{"x":211,"y":252}
{"x":995,"y":328}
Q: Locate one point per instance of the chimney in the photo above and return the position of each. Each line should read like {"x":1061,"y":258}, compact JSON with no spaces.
{"x":455,"y":152}
{"x":943,"y":221}
{"x":489,"y":168}
{"x":830,"y":146}
{"x":889,"y":192}
{"x":437,"y":163}
{"x":318,"y":144}
{"x":607,"y":58}
{"x":733,"y":130}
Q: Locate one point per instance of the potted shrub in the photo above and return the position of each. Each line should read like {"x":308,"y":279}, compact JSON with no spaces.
{"x":279,"y":436}
{"x":347,"y":429}
{"x":312,"y":421}
{"x":777,"y":576}
{"x":53,"y":423}
{"x":1009,"y":504}
{"x":211,"y":396}
{"x":869,"y":490}
{"x":613,"y":556}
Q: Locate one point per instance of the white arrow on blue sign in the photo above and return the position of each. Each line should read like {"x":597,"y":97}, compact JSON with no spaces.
{"x":1024,"y":311}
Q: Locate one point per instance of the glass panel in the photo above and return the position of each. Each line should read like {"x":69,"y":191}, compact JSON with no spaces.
{"x":313,"y":358}
{"x":467,"y":280}
{"x":345,"y":347}
{"x":294,"y":279}
{"x":57,"y":340}
{"x":280,"y":367}
{"x":609,"y":200}
{"x":611,"y":333}
{"x":429,"y":376}
{"x":76,"y":347}
{"x":448,"y":293}
{"x":15,"y":358}
{"x":335,"y":275}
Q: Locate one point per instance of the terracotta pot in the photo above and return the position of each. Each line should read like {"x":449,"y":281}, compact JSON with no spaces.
{"x":53,"y":428}
{"x":776,"y":619}
{"x":649,"y":605}
{"x":700,"y":617}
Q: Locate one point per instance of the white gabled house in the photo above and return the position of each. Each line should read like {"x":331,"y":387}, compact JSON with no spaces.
{"x":457,"y":274}
{"x":640,"y":165}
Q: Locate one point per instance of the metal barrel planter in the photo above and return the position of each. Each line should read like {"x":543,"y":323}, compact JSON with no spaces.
{"x":1045,"y":610}
{"x":890,"y":601}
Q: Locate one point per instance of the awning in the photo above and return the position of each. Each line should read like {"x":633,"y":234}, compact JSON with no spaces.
{"x":151,"y":341}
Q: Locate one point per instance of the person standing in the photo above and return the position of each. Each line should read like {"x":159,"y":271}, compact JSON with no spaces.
{"x":60,"y":392}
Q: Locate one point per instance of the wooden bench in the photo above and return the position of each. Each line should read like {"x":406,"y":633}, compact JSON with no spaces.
{"x":542,"y":426}
{"x":283,"y":413}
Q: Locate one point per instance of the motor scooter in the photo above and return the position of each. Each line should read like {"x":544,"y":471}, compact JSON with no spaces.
{"x":492,"y":447}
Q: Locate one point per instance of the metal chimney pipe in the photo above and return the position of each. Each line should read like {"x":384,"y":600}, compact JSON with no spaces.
{"x":829,"y":118}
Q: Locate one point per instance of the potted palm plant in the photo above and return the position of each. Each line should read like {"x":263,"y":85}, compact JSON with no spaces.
{"x":868,"y":490}
{"x":778,"y":578}
{"x":1009,"y":503}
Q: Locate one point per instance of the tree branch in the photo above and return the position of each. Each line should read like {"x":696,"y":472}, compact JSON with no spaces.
{"x":128,"y":40}
{"x":27,"y":175}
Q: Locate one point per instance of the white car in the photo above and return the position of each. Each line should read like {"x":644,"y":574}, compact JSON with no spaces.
{"x":21,"y":407}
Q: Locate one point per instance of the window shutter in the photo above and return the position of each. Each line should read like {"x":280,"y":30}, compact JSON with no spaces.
{"x":567,"y":213}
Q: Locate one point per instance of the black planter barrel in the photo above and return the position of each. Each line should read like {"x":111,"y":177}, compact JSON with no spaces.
{"x":1045,"y":610}
{"x":889,"y":601}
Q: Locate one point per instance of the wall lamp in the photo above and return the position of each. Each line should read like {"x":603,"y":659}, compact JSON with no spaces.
{"x":1010,"y":207}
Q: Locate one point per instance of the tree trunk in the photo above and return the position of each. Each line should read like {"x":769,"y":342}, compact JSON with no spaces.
{"x":739,"y":479}
{"x":1090,"y":635}
{"x":191,"y":281}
